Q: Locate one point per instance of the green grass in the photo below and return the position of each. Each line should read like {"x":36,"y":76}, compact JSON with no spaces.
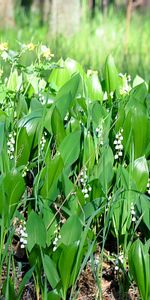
{"x":97,"y":38}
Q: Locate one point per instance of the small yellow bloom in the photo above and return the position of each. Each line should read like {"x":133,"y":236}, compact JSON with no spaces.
{"x":30,"y":46}
{"x":46,"y":53}
{"x":3,"y":46}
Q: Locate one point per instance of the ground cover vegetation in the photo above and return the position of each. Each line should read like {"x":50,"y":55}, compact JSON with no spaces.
{"x":74,"y":176}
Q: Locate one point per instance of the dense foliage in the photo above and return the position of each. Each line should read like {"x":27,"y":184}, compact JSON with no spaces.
{"x":74,"y":173}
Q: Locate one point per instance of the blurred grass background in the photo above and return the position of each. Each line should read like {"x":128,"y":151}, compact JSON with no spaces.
{"x":97,"y":37}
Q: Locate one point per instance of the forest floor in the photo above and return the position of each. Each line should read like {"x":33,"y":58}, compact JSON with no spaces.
{"x":86,"y":285}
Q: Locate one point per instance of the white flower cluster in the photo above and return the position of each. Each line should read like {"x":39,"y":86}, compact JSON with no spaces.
{"x":118,"y":144}
{"x":148,"y":186}
{"x":43,"y":140}
{"x":99,"y":134}
{"x":108,"y":203}
{"x":24,"y":172}
{"x":86,"y":188}
{"x":118,"y":261}
{"x":67,"y":117}
{"x":126,"y":87}
{"x":11,"y":145}
{"x":23,"y":235}
{"x":133,"y":212}
{"x":57,"y":237}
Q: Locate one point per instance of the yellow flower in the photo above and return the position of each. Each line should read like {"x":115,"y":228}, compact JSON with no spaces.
{"x":30,"y":46}
{"x":46,"y":53}
{"x":3,"y":46}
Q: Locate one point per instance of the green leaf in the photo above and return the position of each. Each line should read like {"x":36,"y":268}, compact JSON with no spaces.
{"x":88,"y":151}
{"x":51,"y":271}
{"x":70,"y":148}
{"x":59,"y":76}
{"x":53,"y":295}
{"x":143,"y":205}
{"x":50,"y":223}
{"x":71,"y":230}
{"x":14,"y":82}
{"x":111,"y":75}
{"x":65,"y":265}
{"x":12,"y":187}
{"x":8,"y":289}
{"x":1,"y":135}
{"x":31,"y":122}
{"x":94,"y":87}
{"x":139,"y":262}
{"x":23,"y":147}
{"x":104,"y":168}
{"x":50,"y":176}
{"x":68,"y":93}
{"x":136,"y":129}
{"x":57,"y":126}
{"x":140,"y":173}
{"x":36,"y":231}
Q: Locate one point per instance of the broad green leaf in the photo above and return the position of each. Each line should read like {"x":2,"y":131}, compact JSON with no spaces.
{"x":121,"y":215}
{"x":50,"y":176}
{"x":90,"y":207}
{"x":51,"y":271}
{"x":57,"y":126}
{"x":65,"y":265}
{"x":68,"y":93}
{"x":50,"y":223}
{"x":36,"y":231}
{"x":110,"y":75}
{"x":139,"y":262}
{"x":23,"y":147}
{"x":139,"y":92}
{"x":140,"y":173}
{"x":143,"y":205}
{"x":53,"y":295}
{"x":12,"y":187}
{"x":59,"y":76}
{"x":73,"y":66}
{"x":104,"y":170}
{"x":14,"y":82}
{"x":137,"y":81}
{"x":94,"y":87}
{"x":71,"y":230}
{"x":36,"y":83}
{"x":22,"y":108}
{"x":98,"y":113}
{"x":68,"y":186}
{"x":88,"y":151}
{"x":136,"y":131}
{"x":31,"y":122}
{"x":70,"y":148}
